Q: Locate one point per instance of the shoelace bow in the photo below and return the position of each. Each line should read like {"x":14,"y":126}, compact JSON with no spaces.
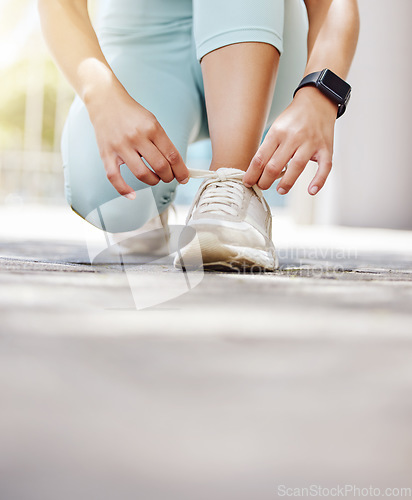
{"x":223,"y":191}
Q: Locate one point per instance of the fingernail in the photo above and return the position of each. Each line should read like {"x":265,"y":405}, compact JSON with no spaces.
{"x":184,"y":181}
{"x":314,"y":189}
{"x":281,"y":191}
{"x":247,"y":184}
{"x":130,"y":196}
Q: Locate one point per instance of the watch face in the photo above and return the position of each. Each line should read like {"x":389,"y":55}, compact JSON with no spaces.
{"x":335,"y":84}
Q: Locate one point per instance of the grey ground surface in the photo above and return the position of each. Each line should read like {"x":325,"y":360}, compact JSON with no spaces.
{"x":240,"y":385}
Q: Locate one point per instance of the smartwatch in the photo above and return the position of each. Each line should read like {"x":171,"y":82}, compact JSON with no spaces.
{"x":331,"y":85}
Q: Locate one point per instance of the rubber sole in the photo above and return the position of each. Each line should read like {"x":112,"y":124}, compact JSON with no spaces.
{"x":209,"y":251}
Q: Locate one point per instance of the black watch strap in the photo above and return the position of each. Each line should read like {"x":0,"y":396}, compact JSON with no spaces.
{"x":331,"y":85}
{"x":310,"y":79}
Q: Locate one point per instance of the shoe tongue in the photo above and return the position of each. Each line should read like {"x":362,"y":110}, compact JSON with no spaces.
{"x":229,"y":170}
{"x":226,"y":174}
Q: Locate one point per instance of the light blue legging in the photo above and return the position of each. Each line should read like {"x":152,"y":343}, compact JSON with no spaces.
{"x":154,"y":48}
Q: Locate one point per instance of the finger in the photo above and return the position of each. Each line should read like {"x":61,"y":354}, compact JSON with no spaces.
{"x":112,"y":167}
{"x":157,"y":161}
{"x":296,"y":166}
{"x":138,"y":168}
{"x":172,"y":155}
{"x":260,"y":160}
{"x":275,"y":165}
{"x":324,"y":168}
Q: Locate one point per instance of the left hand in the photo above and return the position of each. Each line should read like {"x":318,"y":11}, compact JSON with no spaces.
{"x":303,"y":132}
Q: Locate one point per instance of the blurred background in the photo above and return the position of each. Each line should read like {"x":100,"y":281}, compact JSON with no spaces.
{"x":33,"y":105}
{"x":369,"y":185}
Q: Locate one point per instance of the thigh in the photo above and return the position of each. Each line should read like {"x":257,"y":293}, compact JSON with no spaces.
{"x":293,"y":59}
{"x":217,"y":23}
{"x":154,"y":68}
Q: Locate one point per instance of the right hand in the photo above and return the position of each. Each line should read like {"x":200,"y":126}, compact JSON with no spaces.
{"x":125,"y":132}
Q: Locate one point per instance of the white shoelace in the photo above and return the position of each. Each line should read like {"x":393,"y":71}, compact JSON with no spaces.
{"x":223,"y":191}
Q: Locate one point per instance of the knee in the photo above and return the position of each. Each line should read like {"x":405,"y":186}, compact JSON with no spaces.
{"x":118,"y":214}
{"x":115,"y":215}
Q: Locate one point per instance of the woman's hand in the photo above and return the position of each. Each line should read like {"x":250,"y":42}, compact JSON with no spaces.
{"x":303,"y":132}
{"x":125,"y":132}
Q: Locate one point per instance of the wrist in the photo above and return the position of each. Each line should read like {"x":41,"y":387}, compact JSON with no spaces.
{"x":311,"y":96}
{"x":104,"y":92}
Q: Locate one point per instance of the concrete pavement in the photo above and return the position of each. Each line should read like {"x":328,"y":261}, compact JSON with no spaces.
{"x":235,"y":389}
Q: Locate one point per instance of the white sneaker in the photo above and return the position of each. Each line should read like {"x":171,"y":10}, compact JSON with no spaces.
{"x":151,"y":239}
{"x":233,"y":224}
